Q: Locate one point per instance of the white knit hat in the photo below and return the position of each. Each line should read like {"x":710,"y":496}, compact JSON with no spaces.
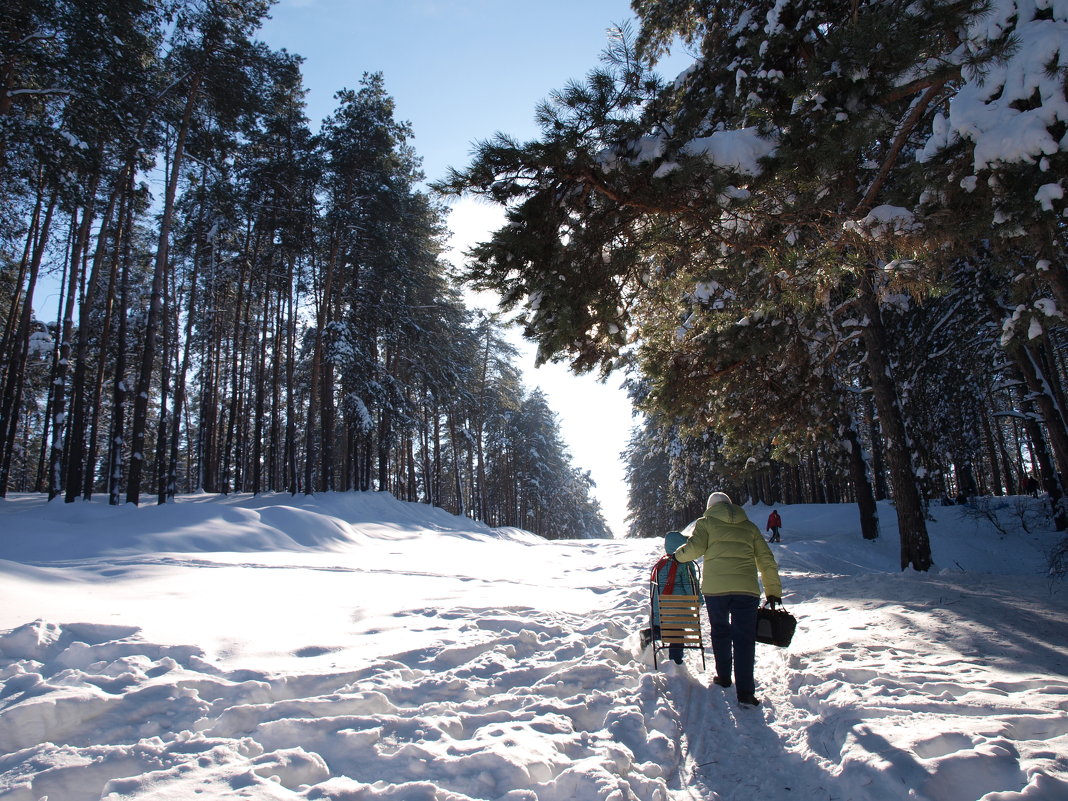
{"x":717,"y":497}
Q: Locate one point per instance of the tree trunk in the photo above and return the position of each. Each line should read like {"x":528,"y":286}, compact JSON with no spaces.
{"x":991,"y":453}
{"x":425,"y":450}
{"x":164,"y":389}
{"x":1044,"y":353}
{"x":412,"y":494}
{"x":878,"y":462}
{"x":274,"y":430}
{"x":66,"y":331}
{"x":437,"y":469}
{"x":314,"y":388}
{"x":76,"y":462}
{"x":179,"y":385}
{"x":862,"y":488}
{"x":915,"y":545}
{"x":231,"y":451}
{"x":155,"y":309}
{"x":207,"y":431}
{"x":15,"y":307}
{"x":1051,"y":481}
{"x":456,"y":462}
{"x":385,"y":425}
{"x":292,"y":481}
{"x":1042,"y":404}
{"x":261,"y":393}
{"x":1040,"y":389}
{"x":106,"y":327}
{"x":328,"y":418}
{"x":15,"y":379}
{"x":118,"y":415}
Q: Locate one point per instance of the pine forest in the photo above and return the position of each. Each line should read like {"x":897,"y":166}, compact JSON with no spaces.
{"x":244,"y":304}
{"x":831,"y":252}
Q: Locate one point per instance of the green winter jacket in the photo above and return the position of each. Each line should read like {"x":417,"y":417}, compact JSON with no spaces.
{"x":733,"y":550}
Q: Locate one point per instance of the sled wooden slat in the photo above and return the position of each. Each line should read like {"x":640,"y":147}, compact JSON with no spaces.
{"x":680,"y":623}
{"x":683,"y":639}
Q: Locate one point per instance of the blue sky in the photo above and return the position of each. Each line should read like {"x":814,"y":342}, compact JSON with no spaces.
{"x":459,"y":71}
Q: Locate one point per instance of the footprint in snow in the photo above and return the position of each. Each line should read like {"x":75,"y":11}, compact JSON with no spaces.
{"x":315,"y":650}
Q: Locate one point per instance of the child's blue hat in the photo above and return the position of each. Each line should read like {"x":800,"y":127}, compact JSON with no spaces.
{"x":673,"y":540}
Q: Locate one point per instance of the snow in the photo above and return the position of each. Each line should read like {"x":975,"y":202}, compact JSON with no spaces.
{"x":740,"y":149}
{"x":1048,"y":307}
{"x":73,"y":140}
{"x":1047,"y":193}
{"x":883,"y":221}
{"x":1011,"y":109}
{"x":351,"y":646}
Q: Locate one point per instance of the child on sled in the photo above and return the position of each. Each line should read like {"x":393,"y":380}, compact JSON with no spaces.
{"x":670,"y":577}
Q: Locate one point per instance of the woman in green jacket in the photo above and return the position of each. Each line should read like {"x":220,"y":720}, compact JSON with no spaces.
{"x":734,"y":550}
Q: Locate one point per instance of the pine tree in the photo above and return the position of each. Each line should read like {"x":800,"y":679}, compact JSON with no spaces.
{"x":283,"y":301}
{"x":783,"y":158}
{"x":210,"y":40}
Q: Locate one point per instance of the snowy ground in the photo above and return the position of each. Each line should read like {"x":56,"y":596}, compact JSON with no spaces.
{"x":352,"y":647}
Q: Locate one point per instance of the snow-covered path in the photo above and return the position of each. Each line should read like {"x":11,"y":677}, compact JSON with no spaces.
{"x":408,"y":655}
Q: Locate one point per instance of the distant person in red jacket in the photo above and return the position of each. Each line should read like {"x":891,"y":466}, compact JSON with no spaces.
{"x":774,"y":524}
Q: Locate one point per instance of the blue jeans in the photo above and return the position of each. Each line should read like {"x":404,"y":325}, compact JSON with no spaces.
{"x":734,"y":620}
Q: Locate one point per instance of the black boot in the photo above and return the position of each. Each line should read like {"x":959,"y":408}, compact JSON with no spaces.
{"x":748,"y":699}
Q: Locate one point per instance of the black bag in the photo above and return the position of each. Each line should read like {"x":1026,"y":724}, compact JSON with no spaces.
{"x":775,"y":626}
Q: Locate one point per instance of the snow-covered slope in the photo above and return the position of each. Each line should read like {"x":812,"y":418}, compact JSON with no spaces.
{"x":351,"y":646}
